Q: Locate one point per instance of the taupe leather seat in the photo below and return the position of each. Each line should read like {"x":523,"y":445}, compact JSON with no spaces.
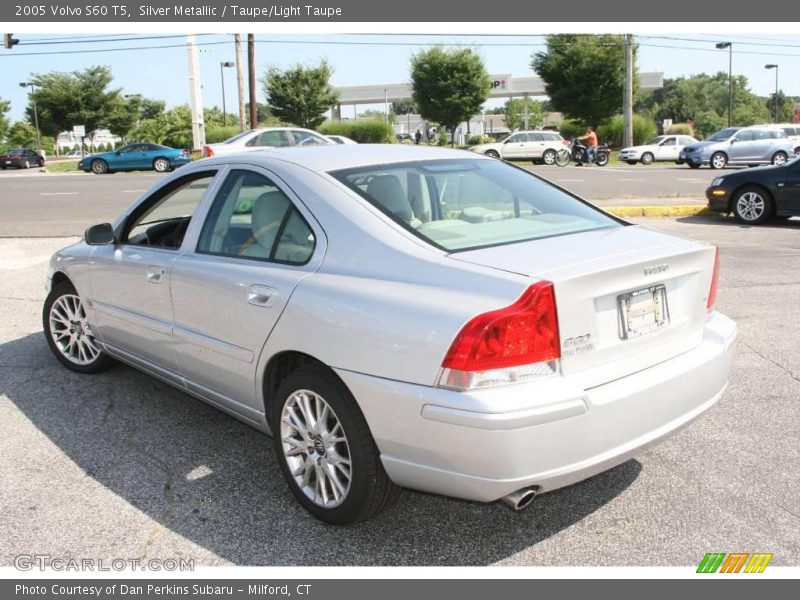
{"x":267,"y":213}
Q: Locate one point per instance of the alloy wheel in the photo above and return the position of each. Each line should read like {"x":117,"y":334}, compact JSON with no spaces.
{"x":315,"y":448}
{"x":750,"y":206}
{"x":70,"y":331}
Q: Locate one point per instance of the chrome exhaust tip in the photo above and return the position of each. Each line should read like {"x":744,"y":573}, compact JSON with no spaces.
{"x":521,"y":498}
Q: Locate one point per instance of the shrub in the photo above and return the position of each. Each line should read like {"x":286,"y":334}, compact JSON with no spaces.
{"x":442,"y":138}
{"x":680,"y":129}
{"x":366,"y":131}
{"x":570,"y":129}
{"x":476,"y":140}
{"x":217,"y":133}
{"x":610,"y":132}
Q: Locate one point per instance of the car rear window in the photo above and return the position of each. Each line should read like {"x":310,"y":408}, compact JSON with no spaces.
{"x":466,"y":204}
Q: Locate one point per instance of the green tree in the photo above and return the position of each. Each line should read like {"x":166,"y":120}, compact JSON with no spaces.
{"x":514,"y":110}
{"x":262,"y":112}
{"x":403,"y":107}
{"x":450,"y":86}
{"x":22,"y":133}
{"x":301,"y":94}
{"x":583,"y":75}
{"x":785,"y":107}
{"x":5,"y":106}
{"x":378,"y":115}
{"x":77,"y":98}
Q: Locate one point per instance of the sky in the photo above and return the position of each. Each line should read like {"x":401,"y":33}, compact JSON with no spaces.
{"x":365,"y":59}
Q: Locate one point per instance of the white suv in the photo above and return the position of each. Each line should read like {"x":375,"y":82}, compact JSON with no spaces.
{"x":793,"y":133}
{"x":538,"y":146}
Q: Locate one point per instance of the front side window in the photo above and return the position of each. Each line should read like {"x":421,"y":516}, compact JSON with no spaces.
{"x":252,"y":218}
{"x":162,"y":221}
{"x":670,"y":142}
{"x":722,"y":135}
{"x":471,"y":203}
{"x":306,"y":138}
{"x":277,"y":139}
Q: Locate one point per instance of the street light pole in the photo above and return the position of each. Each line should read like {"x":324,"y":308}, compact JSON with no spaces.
{"x":729,"y":46}
{"x":775,"y":101}
{"x":222,"y":66}
{"x":35,"y":112}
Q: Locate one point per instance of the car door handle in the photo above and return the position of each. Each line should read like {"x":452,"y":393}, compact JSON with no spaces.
{"x":155,"y":274}
{"x":260,"y":295}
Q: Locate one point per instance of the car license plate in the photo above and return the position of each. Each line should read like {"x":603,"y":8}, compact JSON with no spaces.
{"x":8,"y":162}
{"x":643,"y":311}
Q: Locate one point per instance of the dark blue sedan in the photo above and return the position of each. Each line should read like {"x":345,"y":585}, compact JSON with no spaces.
{"x":136,"y":157}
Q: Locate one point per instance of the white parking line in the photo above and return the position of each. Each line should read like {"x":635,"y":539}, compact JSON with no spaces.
{"x":567,"y":180}
{"x":688,"y":179}
{"x":58,"y":193}
{"x":637,"y":179}
{"x":133,"y":191}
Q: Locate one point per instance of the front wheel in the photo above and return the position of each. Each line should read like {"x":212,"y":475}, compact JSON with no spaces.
{"x":648,"y":158}
{"x":601,"y":160}
{"x":718,"y":160}
{"x":326,"y":451}
{"x":693,"y":165}
{"x":780,"y":158}
{"x":752,"y":206}
{"x":631,"y":162}
{"x":26,"y":164}
{"x":99,"y":167}
{"x":492,"y":154}
{"x":562,"y":158}
{"x":549,"y":157}
{"x":68,"y":333}
{"x":161,"y":165}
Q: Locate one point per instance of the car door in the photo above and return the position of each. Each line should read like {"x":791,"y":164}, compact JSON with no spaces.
{"x":535,"y":145}
{"x":668,"y":149}
{"x":789,"y":186}
{"x":742,"y":146}
{"x":130,"y":292}
{"x":256,"y":244}
{"x":514,"y":146}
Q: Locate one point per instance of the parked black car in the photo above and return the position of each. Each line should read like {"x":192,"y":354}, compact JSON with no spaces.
{"x":22,"y":158}
{"x":759,"y":194}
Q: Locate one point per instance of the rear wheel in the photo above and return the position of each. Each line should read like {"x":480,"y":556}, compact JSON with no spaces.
{"x":99,"y":166}
{"x":326,"y":451}
{"x":779,"y":158}
{"x":648,"y":158}
{"x":68,"y":333}
{"x":161,"y":165}
{"x":718,"y":160}
{"x":752,"y":206}
{"x":549,"y":157}
{"x":601,"y":160}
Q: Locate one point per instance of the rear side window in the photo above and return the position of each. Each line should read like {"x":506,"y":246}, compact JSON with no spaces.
{"x":276,"y":139}
{"x":251,"y":218}
{"x":471,"y":203}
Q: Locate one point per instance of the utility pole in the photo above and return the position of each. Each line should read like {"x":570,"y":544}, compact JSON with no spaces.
{"x":729,"y":46}
{"x":251,"y":72}
{"x":195,"y":97}
{"x":527,"y":114}
{"x":627,"y":93}
{"x":240,"y":82}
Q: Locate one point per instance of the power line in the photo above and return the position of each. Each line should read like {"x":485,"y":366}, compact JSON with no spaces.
{"x":106,"y":40}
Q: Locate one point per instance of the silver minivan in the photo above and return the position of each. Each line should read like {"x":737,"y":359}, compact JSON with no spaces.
{"x":751,"y":146}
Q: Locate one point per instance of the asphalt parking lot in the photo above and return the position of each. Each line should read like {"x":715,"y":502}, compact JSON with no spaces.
{"x":120,"y":465}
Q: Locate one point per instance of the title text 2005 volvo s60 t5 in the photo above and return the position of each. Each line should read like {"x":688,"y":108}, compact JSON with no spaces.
{"x":401,"y":317}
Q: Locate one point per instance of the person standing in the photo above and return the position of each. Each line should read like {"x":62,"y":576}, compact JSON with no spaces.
{"x":417,"y":136}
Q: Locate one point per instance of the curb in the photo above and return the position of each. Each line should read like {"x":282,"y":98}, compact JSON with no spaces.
{"x":684,"y":210}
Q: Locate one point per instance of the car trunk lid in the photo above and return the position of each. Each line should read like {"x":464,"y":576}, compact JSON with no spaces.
{"x":627,"y":298}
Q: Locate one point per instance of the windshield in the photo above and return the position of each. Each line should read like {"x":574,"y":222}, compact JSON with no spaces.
{"x":654,"y":141}
{"x":16,"y":151}
{"x":466,"y":204}
{"x":722,"y":135}
{"x":238,"y":136}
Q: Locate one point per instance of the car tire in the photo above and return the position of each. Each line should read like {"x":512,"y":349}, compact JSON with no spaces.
{"x":99,"y":166}
{"x":26,"y":164}
{"x":693,"y":165}
{"x":718,"y":160}
{"x":752,"y":205}
{"x":492,"y":154}
{"x":648,"y":158}
{"x":631,"y":162}
{"x":304,"y":451}
{"x":549,"y":157}
{"x":161,"y":165}
{"x":780,"y":158}
{"x":68,"y":334}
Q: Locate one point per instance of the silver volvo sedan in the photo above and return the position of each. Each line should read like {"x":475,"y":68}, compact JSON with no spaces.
{"x":399,"y":316}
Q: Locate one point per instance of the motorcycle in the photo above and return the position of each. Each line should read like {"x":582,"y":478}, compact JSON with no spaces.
{"x":602,"y":153}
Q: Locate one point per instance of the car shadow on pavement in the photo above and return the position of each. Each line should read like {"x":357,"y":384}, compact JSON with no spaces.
{"x":215,"y":481}
{"x":729,"y":220}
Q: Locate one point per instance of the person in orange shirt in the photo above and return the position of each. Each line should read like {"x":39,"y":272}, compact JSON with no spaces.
{"x":591,"y":143}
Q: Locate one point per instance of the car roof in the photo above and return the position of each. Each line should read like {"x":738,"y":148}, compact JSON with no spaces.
{"x":339,"y":156}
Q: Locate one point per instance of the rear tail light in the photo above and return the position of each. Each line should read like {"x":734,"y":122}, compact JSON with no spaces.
{"x":208,"y":152}
{"x":566,"y":143}
{"x":185,"y":154}
{"x":507,"y":345}
{"x":712,"y":292}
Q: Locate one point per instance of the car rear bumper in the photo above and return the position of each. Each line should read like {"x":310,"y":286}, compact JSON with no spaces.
{"x":483,"y":445}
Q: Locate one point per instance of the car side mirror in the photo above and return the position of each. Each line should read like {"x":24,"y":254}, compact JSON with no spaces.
{"x":733,"y":141}
{"x":99,"y":235}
